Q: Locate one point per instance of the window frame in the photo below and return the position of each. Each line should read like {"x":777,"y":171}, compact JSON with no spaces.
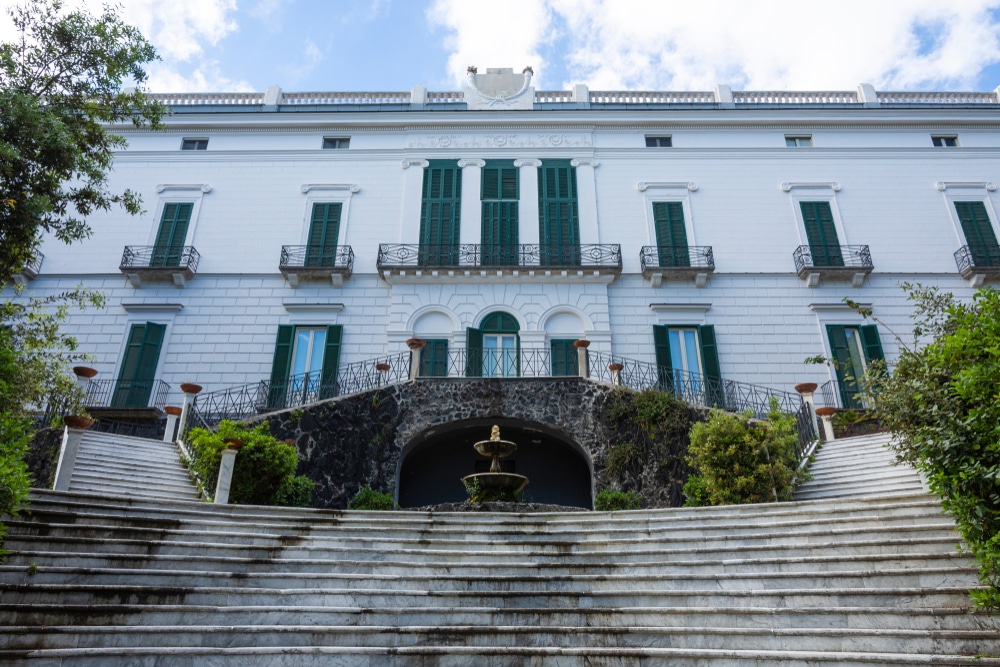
{"x":659,"y":141}
{"x":944,"y":141}
{"x":798,"y":141}
{"x":194,"y":143}
{"x":187,"y":194}
{"x":819,"y":192}
{"x":340,"y":143}
{"x":667,"y":193}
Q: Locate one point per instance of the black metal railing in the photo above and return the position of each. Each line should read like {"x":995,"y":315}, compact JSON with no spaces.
{"x":697,"y":389}
{"x":832,"y":256}
{"x":970,"y":257}
{"x":307,"y":257}
{"x":247,"y":400}
{"x":666,"y":257}
{"x":587,"y":255}
{"x":478,"y":363}
{"x":153,"y":430}
{"x":849,"y":396}
{"x":33,"y":266}
{"x":153,"y":257}
{"x":126,"y":394}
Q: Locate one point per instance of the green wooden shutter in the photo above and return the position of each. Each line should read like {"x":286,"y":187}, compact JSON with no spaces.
{"x":138,"y":371}
{"x":281,"y":366}
{"x":321,"y":247}
{"x":434,"y":358}
{"x":500,"y":220}
{"x":671,"y":236}
{"x":872,"y":343}
{"x":565,"y":359}
{"x":821,"y":233}
{"x":979,"y":234}
{"x":841,"y":353}
{"x":558,"y":214}
{"x":664,"y":367}
{"x":474,"y":353}
{"x":714,"y":390}
{"x":169,"y":246}
{"x":440,"y":214}
{"x":331,"y":361}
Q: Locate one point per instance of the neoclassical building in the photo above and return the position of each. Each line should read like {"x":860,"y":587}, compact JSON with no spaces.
{"x":291,"y":241}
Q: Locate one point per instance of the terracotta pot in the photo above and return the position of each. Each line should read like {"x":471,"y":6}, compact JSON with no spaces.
{"x":84,"y":372}
{"x":415,"y":343}
{"x":189,"y":388}
{"x":173,"y":410}
{"x":581,"y":343}
{"x":78,"y":422}
{"x":826,"y":412}
{"x":806,"y":387}
{"x":233,"y":443}
{"x":615,"y":367}
{"x":382,"y":367}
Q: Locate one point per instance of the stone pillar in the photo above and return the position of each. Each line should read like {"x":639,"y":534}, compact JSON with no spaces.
{"x":868,"y":96}
{"x":416,"y":346}
{"x":807,"y":391}
{"x":471,"y":230}
{"x":190,"y":391}
{"x":170,"y":432}
{"x":581,"y":94}
{"x":586,"y":194}
{"x":75,"y":426}
{"x":826,"y":414}
{"x":724,"y":96}
{"x":582,"y":359}
{"x":382,"y":368}
{"x":226,"y":465}
{"x":616,"y":370}
{"x":527,"y":205}
{"x":413,"y":184}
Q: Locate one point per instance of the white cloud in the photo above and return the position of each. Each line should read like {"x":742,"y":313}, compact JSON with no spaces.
{"x":484,"y":36}
{"x":207,"y":77}
{"x":764,"y":44}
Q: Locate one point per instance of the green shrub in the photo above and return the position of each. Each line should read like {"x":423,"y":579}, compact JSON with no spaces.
{"x":477,"y":494}
{"x":622,"y":458}
{"x":696,"y":492}
{"x":610,"y":500}
{"x":738,"y":461}
{"x":264,"y":473}
{"x":369,"y":499}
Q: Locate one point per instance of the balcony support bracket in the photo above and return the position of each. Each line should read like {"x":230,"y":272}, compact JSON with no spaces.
{"x":701,"y":278}
{"x":134,"y":279}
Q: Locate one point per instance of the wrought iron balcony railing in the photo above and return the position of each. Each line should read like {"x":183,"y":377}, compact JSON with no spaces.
{"x":852,"y":261}
{"x":179,"y":263}
{"x":662,"y":262}
{"x":33,"y":266}
{"x":302,"y":261}
{"x":978,"y":259}
{"x":486,"y":363}
{"x":126,"y":394}
{"x":397,"y":256}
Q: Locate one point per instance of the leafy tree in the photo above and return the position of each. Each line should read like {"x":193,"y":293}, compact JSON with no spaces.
{"x":60,"y":86}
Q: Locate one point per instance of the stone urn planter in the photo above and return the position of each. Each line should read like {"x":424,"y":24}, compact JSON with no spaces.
{"x":173,"y":410}
{"x":826,"y":412}
{"x":615,"y":367}
{"x":382,"y":367}
{"x":233,"y":443}
{"x":581,"y":343}
{"x":84,"y":372}
{"x":806,"y":387}
{"x":415,"y":343}
{"x":189,"y":388}
{"x":78,"y":422}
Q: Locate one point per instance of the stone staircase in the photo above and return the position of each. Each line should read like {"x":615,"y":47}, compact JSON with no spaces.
{"x":857,"y":468}
{"x":112,"y":580}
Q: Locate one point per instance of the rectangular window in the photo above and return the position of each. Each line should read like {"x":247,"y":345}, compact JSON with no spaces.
{"x":821,"y":233}
{"x":434,"y":358}
{"x":194,"y":144}
{"x":168,"y":250}
{"x":321,"y":247}
{"x":558,"y":214}
{"x":979,"y":233}
{"x":853,"y":349}
{"x":945,"y":141}
{"x":671,"y":235}
{"x":687,"y":361}
{"x":565,"y":358}
{"x":798,"y":140}
{"x":440,"y":214}
{"x":665,"y":141}
{"x":336,"y":143}
{"x":500,"y":194}
{"x":305,"y":365}
{"x":137,"y":375}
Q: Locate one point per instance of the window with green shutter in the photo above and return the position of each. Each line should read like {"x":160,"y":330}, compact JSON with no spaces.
{"x":671,"y":235}
{"x":440,"y":214}
{"x":324,"y":227}
{"x":499,"y":346}
{"x":434,"y":358}
{"x":565,"y":358}
{"x":979,"y":233}
{"x":821,"y":233}
{"x":169,"y":247}
{"x":138,"y":370}
{"x":500,"y":213}
{"x":687,"y":361}
{"x":305,"y":365}
{"x":558,"y":214}
{"x":853,"y":348}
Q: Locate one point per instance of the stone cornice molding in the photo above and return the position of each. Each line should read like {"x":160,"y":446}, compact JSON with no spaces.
{"x":968,"y":185}
{"x":680,"y":307}
{"x":329,"y":187}
{"x":528,"y":162}
{"x":312,"y":307}
{"x":471,"y":162}
{"x":807,"y":185}
{"x":407,"y":163}
{"x":836,"y":307}
{"x":183,"y":187}
{"x":690,"y":186}
{"x":152,"y":307}
{"x":584,"y":162}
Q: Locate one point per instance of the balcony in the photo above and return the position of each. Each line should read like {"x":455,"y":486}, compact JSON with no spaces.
{"x":661,"y":263}
{"x":155,"y":263}
{"x":835,"y":262}
{"x":299,"y":262}
{"x":30,"y":270}
{"x":403,"y":262}
{"x":115,"y":399}
{"x":978,"y":263}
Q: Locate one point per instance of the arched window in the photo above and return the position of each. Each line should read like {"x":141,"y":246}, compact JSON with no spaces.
{"x":494,"y":348}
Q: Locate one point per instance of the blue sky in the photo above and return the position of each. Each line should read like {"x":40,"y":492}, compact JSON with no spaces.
{"x":392,"y":45}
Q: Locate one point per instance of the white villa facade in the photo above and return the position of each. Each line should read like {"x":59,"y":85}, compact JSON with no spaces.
{"x":293,"y":235}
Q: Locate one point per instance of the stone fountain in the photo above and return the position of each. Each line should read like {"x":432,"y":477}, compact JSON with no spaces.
{"x":495,"y":480}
